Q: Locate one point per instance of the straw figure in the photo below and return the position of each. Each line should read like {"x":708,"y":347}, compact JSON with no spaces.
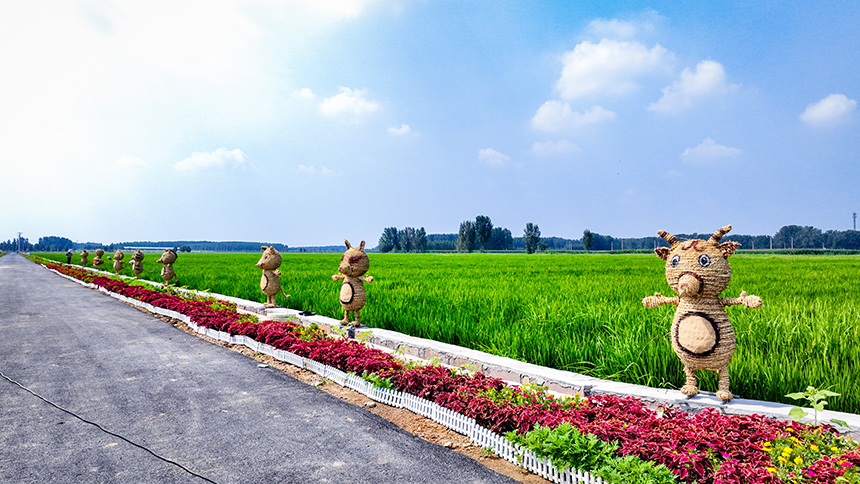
{"x":97,"y":260}
{"x":137,"y":262}
{"x":167,"y":258}
{"x":353,"y":265}
{"x":270,"y":283}
{"x":84,"y":256}
{"x":118,"y":264}
{"x":702,"y":336}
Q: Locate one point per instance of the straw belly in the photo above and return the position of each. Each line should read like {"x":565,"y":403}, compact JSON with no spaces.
{"x":352,"y":294}
{"x":704,"y":340}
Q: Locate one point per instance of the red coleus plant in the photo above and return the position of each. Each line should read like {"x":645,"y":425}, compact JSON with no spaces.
{"x":707,"y":447}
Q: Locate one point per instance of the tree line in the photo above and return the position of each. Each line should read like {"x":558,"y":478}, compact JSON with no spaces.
{"x":61,"y":244}
{"x":481,"y":235}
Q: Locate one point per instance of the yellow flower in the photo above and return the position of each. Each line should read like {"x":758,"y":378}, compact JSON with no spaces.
{"x":813,"y":447}
{"x":782,"y":460}
{"x":787,"y":450}
{"x":772,"y":470}
{"x":798,"y":460}
{"x":834,"y":449}
{"x":795,"y":439}
{"x":789,"y":429}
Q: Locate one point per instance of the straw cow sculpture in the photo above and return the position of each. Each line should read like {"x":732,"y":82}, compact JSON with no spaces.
{"x":137,"y":262}
{"x":167,"y":258}
{"x":702,"y":336}
{"x":97,"y":260}
{"x":118,"y":264}
{"x":353,"y":265}
{"x":270,"y":282}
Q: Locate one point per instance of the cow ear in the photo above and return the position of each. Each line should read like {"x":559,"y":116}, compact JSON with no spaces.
{"x":728,"y":248}
{"x":347,"y":244}
{"x":263,"y":247}
{"x":662,"y":252}
{"x":361,"y":247}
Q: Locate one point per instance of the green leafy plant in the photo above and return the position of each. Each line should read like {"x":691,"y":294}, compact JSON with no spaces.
{"x":377,"y":381}
{"x":816,"y":398}
{"x":565,"y":446}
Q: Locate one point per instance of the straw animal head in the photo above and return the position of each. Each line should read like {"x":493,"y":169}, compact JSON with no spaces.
{"x":697,"y":267}
{"x":270,"y":260}
{"x":99,"y":253}
{"x":137,"y":256}
{"x":354,"y":261}
{"x":84,"y":253}
{"x":118,"y":255}
{"x":168,"y":257}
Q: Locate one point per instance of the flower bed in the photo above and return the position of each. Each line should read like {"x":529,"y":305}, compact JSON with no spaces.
{"x":708,"y":447}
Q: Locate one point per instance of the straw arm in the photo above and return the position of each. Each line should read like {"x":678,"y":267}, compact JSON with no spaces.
{"x":750,"y":301}
{"x":658,"y":299}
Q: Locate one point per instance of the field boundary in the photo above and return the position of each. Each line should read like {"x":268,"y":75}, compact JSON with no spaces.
{"x":519,"y":373}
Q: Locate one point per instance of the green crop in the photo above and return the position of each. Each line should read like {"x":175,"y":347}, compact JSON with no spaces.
{"x":582,"y":312}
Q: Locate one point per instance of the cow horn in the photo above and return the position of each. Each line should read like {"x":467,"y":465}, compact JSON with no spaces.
{"x":715,"y":239}
{"x":673,"y":241}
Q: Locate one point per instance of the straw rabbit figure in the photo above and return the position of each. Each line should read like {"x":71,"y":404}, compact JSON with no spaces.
{"x":353,"y":265}
{"x":84,"y":255}
{"x":702,"y":336}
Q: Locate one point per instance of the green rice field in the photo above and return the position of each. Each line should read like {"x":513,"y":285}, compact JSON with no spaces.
{"x":582,"y":312}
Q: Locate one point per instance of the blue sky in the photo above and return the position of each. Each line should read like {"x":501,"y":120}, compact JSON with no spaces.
{"x":315,"y":121}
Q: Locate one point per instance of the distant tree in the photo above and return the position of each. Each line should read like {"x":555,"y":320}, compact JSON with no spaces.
{"x":587,"y":239}
{"x":543,"y":246}
{"x":53,"y":244}
{"x":419,"y":244}
{"x":185,"y":248}
{"x":406,"y":237}
{"x":388,"y":240}
{"x":500,"y":239}
{"x":466,"y":237}
{"x":483,"y":231}
{"x":531,"y":237}
{"x":797,"y":237}
{"x":441,"y":241}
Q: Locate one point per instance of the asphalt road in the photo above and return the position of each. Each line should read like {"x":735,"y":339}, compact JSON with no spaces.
{"x":94,"y":390}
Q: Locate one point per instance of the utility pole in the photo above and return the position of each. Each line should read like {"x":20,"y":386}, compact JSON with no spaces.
{"x":19,"y":241}
{"x":855,"y":220}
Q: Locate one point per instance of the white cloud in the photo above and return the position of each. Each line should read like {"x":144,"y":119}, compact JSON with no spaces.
{"x":348,"y":104}
{"x":708,"y":151}
{"x":556,"y":116}
{"x":832,"y":110}
{"x":492,"y":157}
{"x":217,"y":159}
{"x":305,"y":93}
{"x":549,"y":148}
{"x":312,"y":170}
{"x":610,"y":67}
{"x":708,"y":79}
{"x":403,"y":130}
{"x":645,"y":24}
